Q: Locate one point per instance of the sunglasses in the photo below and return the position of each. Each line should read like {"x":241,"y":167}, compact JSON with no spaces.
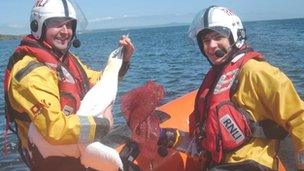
{"x":58,"y":22}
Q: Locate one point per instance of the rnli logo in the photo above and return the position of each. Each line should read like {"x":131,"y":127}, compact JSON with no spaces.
{"x":232,"y":128}
{"x":228,"y":11}
{"x":225,"y":81}
{"x":40,"y":3}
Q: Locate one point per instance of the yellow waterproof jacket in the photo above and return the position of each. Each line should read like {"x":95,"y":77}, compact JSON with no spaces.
{"x":32,"y":83}
{"x":267,"y":93}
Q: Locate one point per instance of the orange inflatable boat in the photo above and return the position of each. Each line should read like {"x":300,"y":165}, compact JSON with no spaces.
{"x":173,"y":114}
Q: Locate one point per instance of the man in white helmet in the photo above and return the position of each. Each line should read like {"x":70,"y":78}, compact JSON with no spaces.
{"x":44,"y":84}
{"x":244,"y":106}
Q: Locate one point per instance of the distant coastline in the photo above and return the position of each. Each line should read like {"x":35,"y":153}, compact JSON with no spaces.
{"x":10,"y":37}
{"x":173,"y":24}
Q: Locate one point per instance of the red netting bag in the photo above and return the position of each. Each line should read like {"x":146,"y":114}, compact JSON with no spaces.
{"x":137,"y":106}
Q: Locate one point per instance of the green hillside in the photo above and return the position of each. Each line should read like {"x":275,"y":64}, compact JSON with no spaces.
{"x":9,"y":37}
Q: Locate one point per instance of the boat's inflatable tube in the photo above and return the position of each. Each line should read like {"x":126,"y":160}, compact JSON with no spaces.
{"x":173,"y":114}
{"x":100,"y":97}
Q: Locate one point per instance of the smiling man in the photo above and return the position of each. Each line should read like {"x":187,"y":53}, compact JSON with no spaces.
{"x":45,"y":83}
{"x":244,"y":106}
{"x":59,"y":32}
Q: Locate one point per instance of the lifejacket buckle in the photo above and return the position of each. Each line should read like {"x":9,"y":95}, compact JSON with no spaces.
{"x":199,"y":131}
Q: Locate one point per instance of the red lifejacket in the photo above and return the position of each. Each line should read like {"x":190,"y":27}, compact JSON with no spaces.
{"x":217,"y":122}
{"x":73,"y":82}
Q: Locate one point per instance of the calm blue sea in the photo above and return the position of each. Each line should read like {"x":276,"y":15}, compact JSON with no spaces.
{"x":167,"y":56}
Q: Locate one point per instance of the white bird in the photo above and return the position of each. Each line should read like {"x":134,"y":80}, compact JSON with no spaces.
{"x":95,"y":155}
{"x":103,"y":93}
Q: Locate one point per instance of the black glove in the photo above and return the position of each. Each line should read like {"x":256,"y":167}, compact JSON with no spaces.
{"x":128,"y":154}
{"x":169,"y":137}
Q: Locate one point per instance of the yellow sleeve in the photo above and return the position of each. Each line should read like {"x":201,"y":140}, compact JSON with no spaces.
{"x":275,"y":98}
{"x":33,"y":90}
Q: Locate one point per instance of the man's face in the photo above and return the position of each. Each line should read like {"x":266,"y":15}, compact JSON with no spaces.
{"x":213,"y":41}
{"x":59,"y":32}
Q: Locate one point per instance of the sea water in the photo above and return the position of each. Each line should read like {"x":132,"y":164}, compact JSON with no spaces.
{"x":168,"y":57}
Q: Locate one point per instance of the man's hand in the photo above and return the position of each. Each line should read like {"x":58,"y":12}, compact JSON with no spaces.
{"x":128,"y":49}
{"x":169,"y":137}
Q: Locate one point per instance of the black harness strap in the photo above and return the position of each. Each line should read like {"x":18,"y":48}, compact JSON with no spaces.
{"x":268,"y":129}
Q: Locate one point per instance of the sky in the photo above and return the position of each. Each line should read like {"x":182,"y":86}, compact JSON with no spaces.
{"x":105,"y":14}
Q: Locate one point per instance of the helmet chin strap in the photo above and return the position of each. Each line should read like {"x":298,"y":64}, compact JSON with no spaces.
{"x":65,"y":51}
{"x":76,"y":44}
{"x":74,"y":41}
{"x":230,"y":53}
{"x":223,"y":51}
{"x":60,"y":53}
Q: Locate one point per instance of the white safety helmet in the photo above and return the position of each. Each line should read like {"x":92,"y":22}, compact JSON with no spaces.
{"x":221,"y":20}
{"x":46,"y":9}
